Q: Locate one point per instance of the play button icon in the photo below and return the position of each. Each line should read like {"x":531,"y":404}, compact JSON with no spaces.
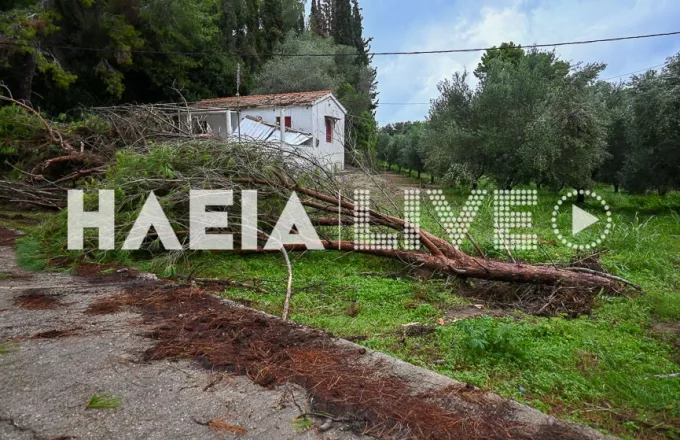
{"x":581,"y":219}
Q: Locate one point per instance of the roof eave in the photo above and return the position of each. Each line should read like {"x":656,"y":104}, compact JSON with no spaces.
{"x":332,"y":96}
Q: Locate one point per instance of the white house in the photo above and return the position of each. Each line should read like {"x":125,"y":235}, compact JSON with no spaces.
{"x":310,"y":122}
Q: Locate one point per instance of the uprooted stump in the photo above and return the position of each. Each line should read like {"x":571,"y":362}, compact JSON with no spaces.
{"x":533,"y":299}
{"x":194,"y":324}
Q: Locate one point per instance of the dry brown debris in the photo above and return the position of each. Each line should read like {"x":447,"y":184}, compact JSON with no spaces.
{"x":105,"y":273}
{"x":38,"y":299}
{"x":194,"y":324}
{"x":7,"y":236}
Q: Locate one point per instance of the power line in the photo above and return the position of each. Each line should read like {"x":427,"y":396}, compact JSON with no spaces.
{"x":603,"y":79}
{"x":566,"y":43}
{"x":421,"y":52}
{"x":635,"y":71}
{"x":404,"y":103}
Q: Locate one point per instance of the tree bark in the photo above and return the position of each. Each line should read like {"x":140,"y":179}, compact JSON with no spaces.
{"x":581,"y":198}
{"x":441,"y":256}
{"x":472,"y":267}
{"x":25,"y":70}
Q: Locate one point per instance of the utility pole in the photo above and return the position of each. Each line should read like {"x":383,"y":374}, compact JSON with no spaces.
{"x":238,"y":79}
{"x":238,"y":111}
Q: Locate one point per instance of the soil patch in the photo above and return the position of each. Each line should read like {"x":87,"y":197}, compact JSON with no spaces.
{"x":38,"y":299}
{"x":105,"y":273}
{"x":194,"y":324}
{"x":106,"y":306}
{"x":7,"y":236}
{"x":14,"y":276}
{"x":54,"y":334}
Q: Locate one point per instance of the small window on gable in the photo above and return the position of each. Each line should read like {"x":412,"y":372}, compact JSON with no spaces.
{"x":330,"y":125}
{"x":288,"y":121}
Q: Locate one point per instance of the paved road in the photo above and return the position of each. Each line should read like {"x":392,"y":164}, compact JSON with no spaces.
{"x":46,"y":384}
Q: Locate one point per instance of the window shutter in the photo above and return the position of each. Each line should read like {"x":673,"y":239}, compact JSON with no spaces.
{"x":288,"y":121}
{"x":329,"y":130}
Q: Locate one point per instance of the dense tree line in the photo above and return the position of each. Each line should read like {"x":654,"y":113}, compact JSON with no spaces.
{"x":335,"y":27}
{"x":68,"y":54}
{"x":534,"y":119}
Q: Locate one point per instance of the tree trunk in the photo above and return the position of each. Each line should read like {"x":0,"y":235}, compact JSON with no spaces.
{"x":616,"y":187}
{"x":432,"y":179}
{"x":441,"y":256}
{"x":471,"y":267}
{"x":581,"y":197}
{"x":418,"y":174}
{"x":25,"y":69}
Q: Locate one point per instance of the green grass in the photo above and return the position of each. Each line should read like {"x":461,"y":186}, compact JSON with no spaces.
{"x":593,"y":369}
{"x":104,"y":401}
{"x":29,"y":254}
{"x":302,"y":423}
{"x":8,"y":347}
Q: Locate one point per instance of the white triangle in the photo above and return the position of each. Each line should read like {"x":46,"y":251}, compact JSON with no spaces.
{"x":581,"y":219}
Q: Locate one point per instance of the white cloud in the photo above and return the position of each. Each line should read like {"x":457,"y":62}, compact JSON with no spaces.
{"x":468,"y":24}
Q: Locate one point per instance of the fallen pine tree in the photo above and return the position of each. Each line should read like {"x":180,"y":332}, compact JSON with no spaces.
{"x":171,"y":162}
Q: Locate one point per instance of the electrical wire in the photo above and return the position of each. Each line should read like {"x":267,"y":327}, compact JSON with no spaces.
{"x":635,"y":71}
{"x":603,"y":79}
{"x":420,"y":52}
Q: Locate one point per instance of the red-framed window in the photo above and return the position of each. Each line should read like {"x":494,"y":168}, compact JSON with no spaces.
{"x":330,"y":124}
{"x":288,"y":121}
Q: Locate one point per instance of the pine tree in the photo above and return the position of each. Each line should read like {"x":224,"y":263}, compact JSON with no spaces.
{"x":361,"y":45}
{"x":252,"y":43}
{"x":316,"y":19}
{"x":272,"y":24}
{"x":229,"y":23}
{"x":326,"y":8}
{"x":342,"y":26}
{"x":300,"y":22}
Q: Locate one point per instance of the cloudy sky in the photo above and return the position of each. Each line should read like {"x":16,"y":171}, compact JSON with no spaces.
{"x":408,"y":25}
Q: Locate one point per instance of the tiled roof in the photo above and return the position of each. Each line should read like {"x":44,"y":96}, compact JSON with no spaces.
{"x":275,"y":100}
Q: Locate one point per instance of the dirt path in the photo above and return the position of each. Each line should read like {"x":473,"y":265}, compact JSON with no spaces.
{"x":73,"y":337}
{"x":355,"y":177}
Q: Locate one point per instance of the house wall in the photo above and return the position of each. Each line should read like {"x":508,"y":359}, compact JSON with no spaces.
{"x":301,"y":116}
{"x":216,"y":121}
{"x":332,"y":153}
{"x":310,"y":119}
